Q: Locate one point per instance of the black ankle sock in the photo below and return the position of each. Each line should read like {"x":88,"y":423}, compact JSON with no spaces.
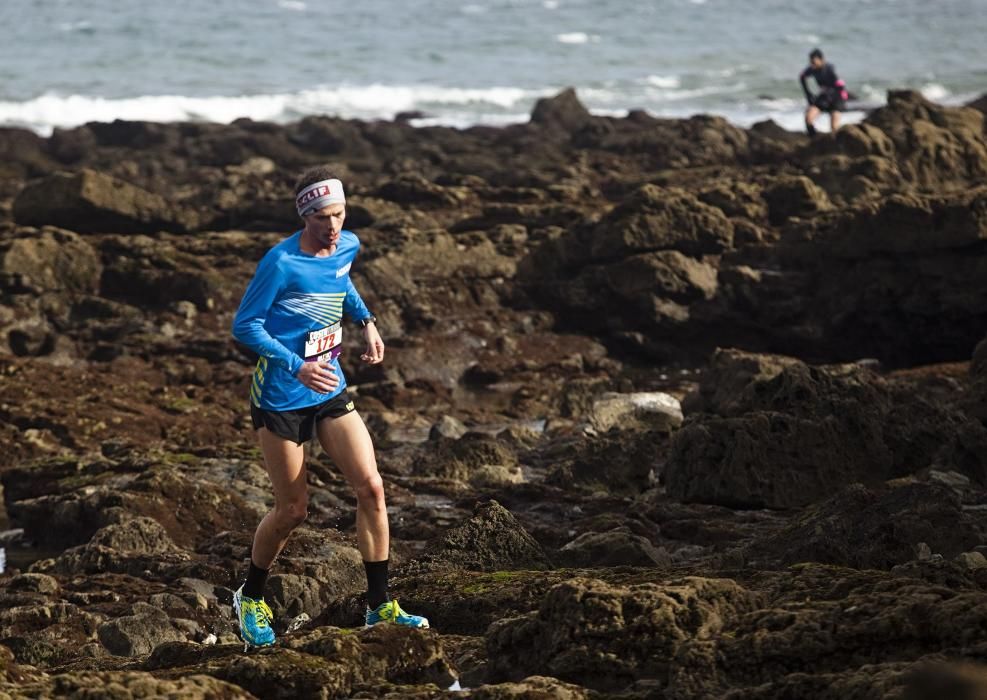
{"x":254,"y":585}
{"x":810,"y":128}
{"x":376,"y":582}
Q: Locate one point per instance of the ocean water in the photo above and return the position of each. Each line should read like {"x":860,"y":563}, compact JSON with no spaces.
{"x":64,"y":62}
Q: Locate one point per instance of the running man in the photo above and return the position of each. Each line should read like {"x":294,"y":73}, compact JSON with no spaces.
{"x":291,"y":316}
{"x":832,"y":95}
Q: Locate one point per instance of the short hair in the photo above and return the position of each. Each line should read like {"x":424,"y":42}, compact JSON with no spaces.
{"x":815,"y":53}
{"x":312,"y":175}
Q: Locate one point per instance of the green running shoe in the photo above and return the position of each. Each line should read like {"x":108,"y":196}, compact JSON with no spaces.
{"x":392,"y":612}
{"x":255,"y":619}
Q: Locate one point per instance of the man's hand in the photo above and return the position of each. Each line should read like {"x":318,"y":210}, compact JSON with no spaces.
{"x":318,"y":376}
{"x":375,"y":346}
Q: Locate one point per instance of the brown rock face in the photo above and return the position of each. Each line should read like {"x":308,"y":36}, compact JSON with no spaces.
{"x":491,"y":540}
{"x":550,"y":294}
{"x":606,"y":637}
{"x":91,"y":202}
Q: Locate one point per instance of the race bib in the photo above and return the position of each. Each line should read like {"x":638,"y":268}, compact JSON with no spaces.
{"x":324,"y":344}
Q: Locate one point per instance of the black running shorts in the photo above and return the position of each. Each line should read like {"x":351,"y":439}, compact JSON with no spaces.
{"x":829,"y":101}
{"x":299,"y":425}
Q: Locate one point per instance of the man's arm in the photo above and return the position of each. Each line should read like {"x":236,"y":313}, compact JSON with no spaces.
{"x":248,"y":324}
{"x":805,"y":87}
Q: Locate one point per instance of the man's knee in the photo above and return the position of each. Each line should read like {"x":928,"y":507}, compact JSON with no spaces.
{"x":371,"y":491}
{"x":292,"y":513}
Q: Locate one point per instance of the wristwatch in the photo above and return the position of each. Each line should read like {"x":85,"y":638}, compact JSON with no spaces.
{"x":368,"y":320}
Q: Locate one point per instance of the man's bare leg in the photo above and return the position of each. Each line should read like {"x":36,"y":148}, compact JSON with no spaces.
{"x":834,"y":121}
{"x":285,"y":463}
{"x":347,"y":442}
{"x":811,"y":114}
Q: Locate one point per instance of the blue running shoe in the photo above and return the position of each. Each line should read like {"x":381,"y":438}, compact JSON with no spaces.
{"x":392,"y":612}
{"x":255,"y":620}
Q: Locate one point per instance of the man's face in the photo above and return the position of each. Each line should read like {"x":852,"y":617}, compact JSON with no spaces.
{"x":817,"y":62}
{"x":326,"y":223}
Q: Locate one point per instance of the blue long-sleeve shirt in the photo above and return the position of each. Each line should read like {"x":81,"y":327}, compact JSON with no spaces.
{"x":292,"y":312}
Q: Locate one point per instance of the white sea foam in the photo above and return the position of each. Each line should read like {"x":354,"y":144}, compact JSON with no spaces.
{"x":663,"y":81}
{"x":576,"y":38}
{"x":48,"y":111}
{"x":296,"y":5}
{"x":803,"y":38}
{"x":82,"y":26}
{"x":551,"y":4}
{"x":935,"y":92}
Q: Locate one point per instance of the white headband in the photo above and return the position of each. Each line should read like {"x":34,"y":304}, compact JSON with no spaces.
{"x":319,"y":195}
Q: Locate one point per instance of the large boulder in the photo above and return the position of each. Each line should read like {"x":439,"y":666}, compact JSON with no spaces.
{"x":804,"y":434}
{"x":606,"y":637}
{"x":617,"y":547}
{"x":140,"y":633}
{"x":794,"y":196}
{"x":491,"y":540}
{"x":938,"y":148}
{"x":656,"y":218}
{"x":91,"y":202}
{"x":563,"y":112}
{"x":49,"y":260}
{"x":872,"y":529}
{"x":614,"y":464}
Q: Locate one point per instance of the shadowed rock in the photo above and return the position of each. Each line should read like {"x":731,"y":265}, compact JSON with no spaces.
{"x":872,"y":529}
{"x":606,"y":637}
{"x":91,"y":202}
{"x":491,"y":540}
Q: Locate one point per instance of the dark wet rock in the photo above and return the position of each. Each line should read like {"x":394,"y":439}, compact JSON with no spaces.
{"x":978,"y":364}
{"x":534,"y":687}
{"x":416,"y":190}
{"x":326,"y":662}
{"x":737,"y":199}
{"x":606,"y":637}
{"x":617,"y":547}
{"x":491,"y":540}
{"x":34,"y":583}
{"x":140,"y":633}
{"x":290,"y":595}
{"x":794,"y":196}
{"x":873,"y":529}
{"x":191,"y":503}
{"x":22,"y":156}
{"x":135,"y":546}
{"x":655,"y":218}
{"x":508,"y":267}
{"x":50,"y":260}
{"x":803,"y":434}
{"x":464,"y":458}
{"x":728,"y":374}
{"x":447,"y":427}
{"x":397,"y":654}
{"x":926,"y":679}
{"x":622,"y":464}
{"x":563,"y":112}
{"x":856,"y":140}
{"x":905,"y":224}
{"x":126,"y":685}
{"x":872,"y":620}
{"x":91,"y":202}
{"x":938,"y":148}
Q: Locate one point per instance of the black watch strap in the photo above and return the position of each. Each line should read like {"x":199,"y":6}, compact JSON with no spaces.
{"x":369,"y":319}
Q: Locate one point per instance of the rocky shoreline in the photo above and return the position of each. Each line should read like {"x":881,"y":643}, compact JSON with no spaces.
{"x":671,"y":409}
